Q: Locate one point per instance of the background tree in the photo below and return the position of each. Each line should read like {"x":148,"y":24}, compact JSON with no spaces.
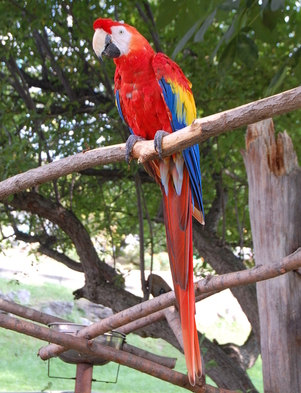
{"x":57,"y":99}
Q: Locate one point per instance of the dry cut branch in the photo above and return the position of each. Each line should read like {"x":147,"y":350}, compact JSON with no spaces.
{"x":92,"y":348}
{"x":199,"y":131}
{"x":208,"y":285}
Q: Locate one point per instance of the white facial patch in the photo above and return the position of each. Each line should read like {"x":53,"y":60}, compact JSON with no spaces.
{"x":121,"y":38}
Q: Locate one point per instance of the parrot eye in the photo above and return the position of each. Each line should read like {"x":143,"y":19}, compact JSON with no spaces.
{"x":122,"y":37}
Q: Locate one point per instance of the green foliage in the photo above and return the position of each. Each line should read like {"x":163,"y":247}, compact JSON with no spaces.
{"x":56,"y":100}
{"x":241,"y":28}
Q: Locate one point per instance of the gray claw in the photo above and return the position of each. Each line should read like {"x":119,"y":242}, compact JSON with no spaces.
{"x":158,"y":141}
{"x":132,"y":139}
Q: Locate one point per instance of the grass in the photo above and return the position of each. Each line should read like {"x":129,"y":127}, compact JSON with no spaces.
{"x":22,"y":370}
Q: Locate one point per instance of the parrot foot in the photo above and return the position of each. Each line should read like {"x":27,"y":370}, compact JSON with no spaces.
{"x":158,"y":141}
{"x":132,"y":139}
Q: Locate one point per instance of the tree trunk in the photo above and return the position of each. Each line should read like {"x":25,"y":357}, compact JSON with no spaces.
{"x":274,"y":201}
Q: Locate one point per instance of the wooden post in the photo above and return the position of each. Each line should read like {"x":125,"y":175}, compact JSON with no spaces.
{"x":275,"y":211}
{"x":84,"y":374}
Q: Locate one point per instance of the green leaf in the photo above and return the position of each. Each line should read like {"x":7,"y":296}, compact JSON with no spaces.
{"x":230,"y":31}
{"x":229,"y":5}
{"x":168,"y":11}
{"x":295,"y":58}
{"x":277,"y":80}
{"x":264,"y":4}
{"x":297,"y":71}
{"x":270,"y":18}
{"x":207,"y":23}
{"x":263,"y":33}
{"x":238,"y":23}
{"x":186,"y":38}
{"x":277,"y":4}
{"x":189,"y":12}
{"x":227,"y":58}
{"x":226,"y":37}
{"x":247,"y":51}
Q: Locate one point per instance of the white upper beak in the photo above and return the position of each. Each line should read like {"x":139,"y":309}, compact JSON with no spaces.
{"x":98,"y":42}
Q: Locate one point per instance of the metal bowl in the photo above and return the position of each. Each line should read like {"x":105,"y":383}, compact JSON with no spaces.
{"x":113,"y":339}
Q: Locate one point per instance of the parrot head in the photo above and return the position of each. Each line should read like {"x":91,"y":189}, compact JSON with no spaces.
{"x":115,"y":39}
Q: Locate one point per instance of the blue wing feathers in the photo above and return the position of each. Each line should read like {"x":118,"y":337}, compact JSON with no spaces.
{"x":191,"y":154}
{"x":171,"y":101}
{"x":120,"y":110}
{"x":191,"y":160}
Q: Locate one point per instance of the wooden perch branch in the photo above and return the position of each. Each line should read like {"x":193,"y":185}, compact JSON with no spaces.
{"x":174,"y":323}
{"x":28,"y":313}
{"x":208,"y":285}
{"x":162,"y":360}
{"x":250,"y":276}
{"x":45,"y":319}
{"x":154,"y":317}
{"x":91,"y":347}
{"x":115,"y":321}
{"x":153,"y":311}
{"x":199,"y":131}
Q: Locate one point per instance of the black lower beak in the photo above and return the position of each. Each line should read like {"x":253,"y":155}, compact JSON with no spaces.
{"x":110,"y":49}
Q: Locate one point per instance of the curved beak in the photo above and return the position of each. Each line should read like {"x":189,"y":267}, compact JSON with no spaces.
{"x":103,"y":45}
{"x":111,"y":50}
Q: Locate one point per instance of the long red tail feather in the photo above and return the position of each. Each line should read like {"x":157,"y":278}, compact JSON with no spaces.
{"x":178,"y":225}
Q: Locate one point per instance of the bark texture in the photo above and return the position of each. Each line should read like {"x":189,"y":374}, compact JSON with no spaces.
{"x":274,"y":201}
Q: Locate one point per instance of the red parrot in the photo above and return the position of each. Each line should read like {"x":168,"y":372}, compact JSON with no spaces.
{"x":154,"y":98}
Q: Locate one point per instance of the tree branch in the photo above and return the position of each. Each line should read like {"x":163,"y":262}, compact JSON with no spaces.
{"x":21,"y":88}
{"x":44,"y":248}
{"x":199,"y":131}
{"x":89,"y":347}
{"x":149,"y":20}
{"x":45,"y":319}
{"x":61,"y":257}
{"x":28,"y":313}
{"x":244,"y":355}
{"x":210,"y":284}
{"x":117,"y":174}
{"x":95,"y":270}
{"x":43,"y":42}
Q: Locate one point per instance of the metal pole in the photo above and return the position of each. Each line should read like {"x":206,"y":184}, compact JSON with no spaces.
{"x":83,"y":381}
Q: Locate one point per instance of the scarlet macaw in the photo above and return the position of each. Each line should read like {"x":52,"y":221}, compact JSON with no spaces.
{"x":153,"y":98}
